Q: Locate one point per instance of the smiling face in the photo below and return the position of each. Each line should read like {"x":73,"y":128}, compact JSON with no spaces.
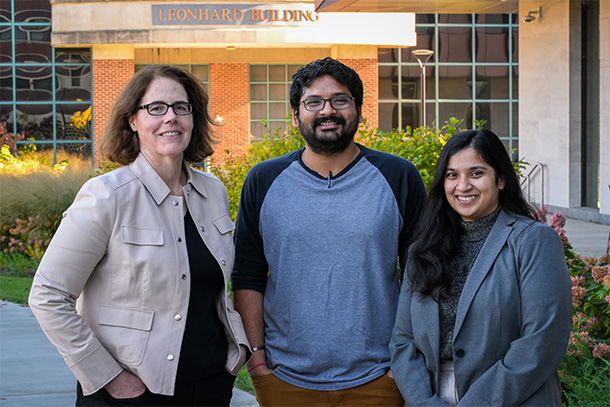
{"x":164,"y":137}
{"x":327,"y":131}
{"x":471,"y":186}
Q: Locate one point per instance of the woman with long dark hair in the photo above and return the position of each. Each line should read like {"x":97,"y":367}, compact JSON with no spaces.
{"x":485,"y":311}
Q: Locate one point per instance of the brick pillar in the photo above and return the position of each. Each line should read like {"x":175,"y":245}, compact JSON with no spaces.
{"x":229,"y":98}
{"x":109,"y":78}
{"x":369,"y":73}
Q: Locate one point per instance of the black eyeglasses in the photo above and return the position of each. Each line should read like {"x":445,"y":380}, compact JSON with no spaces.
{"x":337,"y":103}
{"x":160,"y":108}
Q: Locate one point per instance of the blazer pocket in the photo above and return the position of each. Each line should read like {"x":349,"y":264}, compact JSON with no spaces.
{"x":124,"y":332}
{"x":224,"y":224}
{"x":141,"y":236}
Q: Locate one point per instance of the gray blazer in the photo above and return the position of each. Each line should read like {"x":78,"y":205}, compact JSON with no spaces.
{"x":512,"y":326}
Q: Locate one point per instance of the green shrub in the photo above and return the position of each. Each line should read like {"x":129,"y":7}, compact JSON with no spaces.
{"x":17,"y":265}
{"x":235,"y":168}
{"x":421,"y":146}
{"x":34,"y":196}
{"x":585,"y":380}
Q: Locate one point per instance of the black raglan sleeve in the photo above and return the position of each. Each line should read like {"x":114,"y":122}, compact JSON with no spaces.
{"x":250,"y":269}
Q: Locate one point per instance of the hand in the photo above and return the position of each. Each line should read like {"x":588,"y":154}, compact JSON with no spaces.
{"x":243,"y":351}
{"x":125,"y":386}
{"x":261,"y":370}
{"x":390,"y":374}
{"x":258,"y":360}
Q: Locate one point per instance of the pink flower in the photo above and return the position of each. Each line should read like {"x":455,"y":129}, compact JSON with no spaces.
{"x":601,"y":351}
{"x":541,"y":213}
{"x":577,"y":280}
{"x":591,"y":261}
{"x":578,"y":294}
{"x":598,"y":273}
{"x":591,"y":323}
{"x":557,"y":220}
{"x":607,"y":298}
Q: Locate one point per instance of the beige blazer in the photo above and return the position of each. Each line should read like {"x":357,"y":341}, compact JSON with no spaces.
{"x":120,"y":252}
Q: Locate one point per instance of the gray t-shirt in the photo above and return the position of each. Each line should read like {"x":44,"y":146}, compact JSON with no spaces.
{"x":324,"y":252}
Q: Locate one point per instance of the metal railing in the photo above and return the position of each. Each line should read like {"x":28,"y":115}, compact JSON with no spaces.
{"x":528,"y":180}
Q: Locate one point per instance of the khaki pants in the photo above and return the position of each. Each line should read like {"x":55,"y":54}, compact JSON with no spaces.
{"x":273,"y":392}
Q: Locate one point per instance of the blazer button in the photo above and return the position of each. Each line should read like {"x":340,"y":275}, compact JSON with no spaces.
{"x":224,"y":263}
{"x":170,"y":357}
{"x":178,"y":317}
{"x":175,"y":203}
{"x":183,"y":276}
{"x":202,"y":229}
{"x":460,"y":353}
{"x":178,"y":239}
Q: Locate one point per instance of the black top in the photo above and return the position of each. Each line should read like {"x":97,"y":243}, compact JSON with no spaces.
{"x":204,"y":345}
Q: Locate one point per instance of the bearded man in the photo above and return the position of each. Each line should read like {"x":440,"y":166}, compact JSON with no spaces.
{"x":318,"y":237}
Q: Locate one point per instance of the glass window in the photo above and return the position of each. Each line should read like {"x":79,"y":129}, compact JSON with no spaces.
{"x":74,"y":121}
{"x":258,"y":111}
{"x":258,"y":92}
{"x":456,"y":85}
{"x":32,"y":11}
{"x":6,"y":36}
{"x":270,"y":98}
{"x":473,"y":74}
{"x":6,"y":8}
{"x":73,"y":55}
{"x":46,"y":92}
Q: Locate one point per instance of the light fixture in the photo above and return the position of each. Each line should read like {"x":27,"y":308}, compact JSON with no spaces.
{"x":231,"y":48}
{"x":422,"y":56}
{"x":532,"y":15}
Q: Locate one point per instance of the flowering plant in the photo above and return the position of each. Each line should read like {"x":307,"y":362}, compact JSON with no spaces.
{"x":586,"y":367}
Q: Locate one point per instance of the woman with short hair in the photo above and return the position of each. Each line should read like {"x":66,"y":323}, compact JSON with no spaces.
{"x":146,"y":252}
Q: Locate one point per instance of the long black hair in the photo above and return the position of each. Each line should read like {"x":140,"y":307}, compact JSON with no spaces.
{"x":438,"y":234}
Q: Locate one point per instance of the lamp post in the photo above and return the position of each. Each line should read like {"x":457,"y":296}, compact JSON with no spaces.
{"x":422,"y":56}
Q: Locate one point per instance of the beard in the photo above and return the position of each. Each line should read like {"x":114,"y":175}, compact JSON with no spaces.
{"x":328,"y":142}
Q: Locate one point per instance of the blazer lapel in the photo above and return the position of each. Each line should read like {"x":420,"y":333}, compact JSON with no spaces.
{"x":490,"y":250}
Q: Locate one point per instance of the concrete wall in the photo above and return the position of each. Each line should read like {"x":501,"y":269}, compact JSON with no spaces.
{"x":550,"y":99}
{"x":604,"y":127}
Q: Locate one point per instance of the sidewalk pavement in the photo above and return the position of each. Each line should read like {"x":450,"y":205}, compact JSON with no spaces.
{"x":587,"y":238}
{"x":32,"y":372}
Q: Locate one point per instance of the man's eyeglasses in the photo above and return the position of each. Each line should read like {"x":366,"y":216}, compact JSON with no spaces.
{"x":337,"y":103}
{"x":160,"y":108}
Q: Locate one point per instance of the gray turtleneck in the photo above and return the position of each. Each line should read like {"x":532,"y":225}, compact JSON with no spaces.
{"x":473,"y":237}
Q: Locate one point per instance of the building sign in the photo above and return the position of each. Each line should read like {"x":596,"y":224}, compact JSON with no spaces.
{"x":234,"y":14}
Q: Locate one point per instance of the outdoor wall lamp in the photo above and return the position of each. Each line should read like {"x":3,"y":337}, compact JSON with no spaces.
{"x":531,"y":16}
{"x":422,"y":56}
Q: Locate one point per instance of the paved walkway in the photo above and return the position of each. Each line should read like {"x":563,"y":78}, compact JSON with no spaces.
{"x":32,"y":373}
{"x":587,"y":238}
